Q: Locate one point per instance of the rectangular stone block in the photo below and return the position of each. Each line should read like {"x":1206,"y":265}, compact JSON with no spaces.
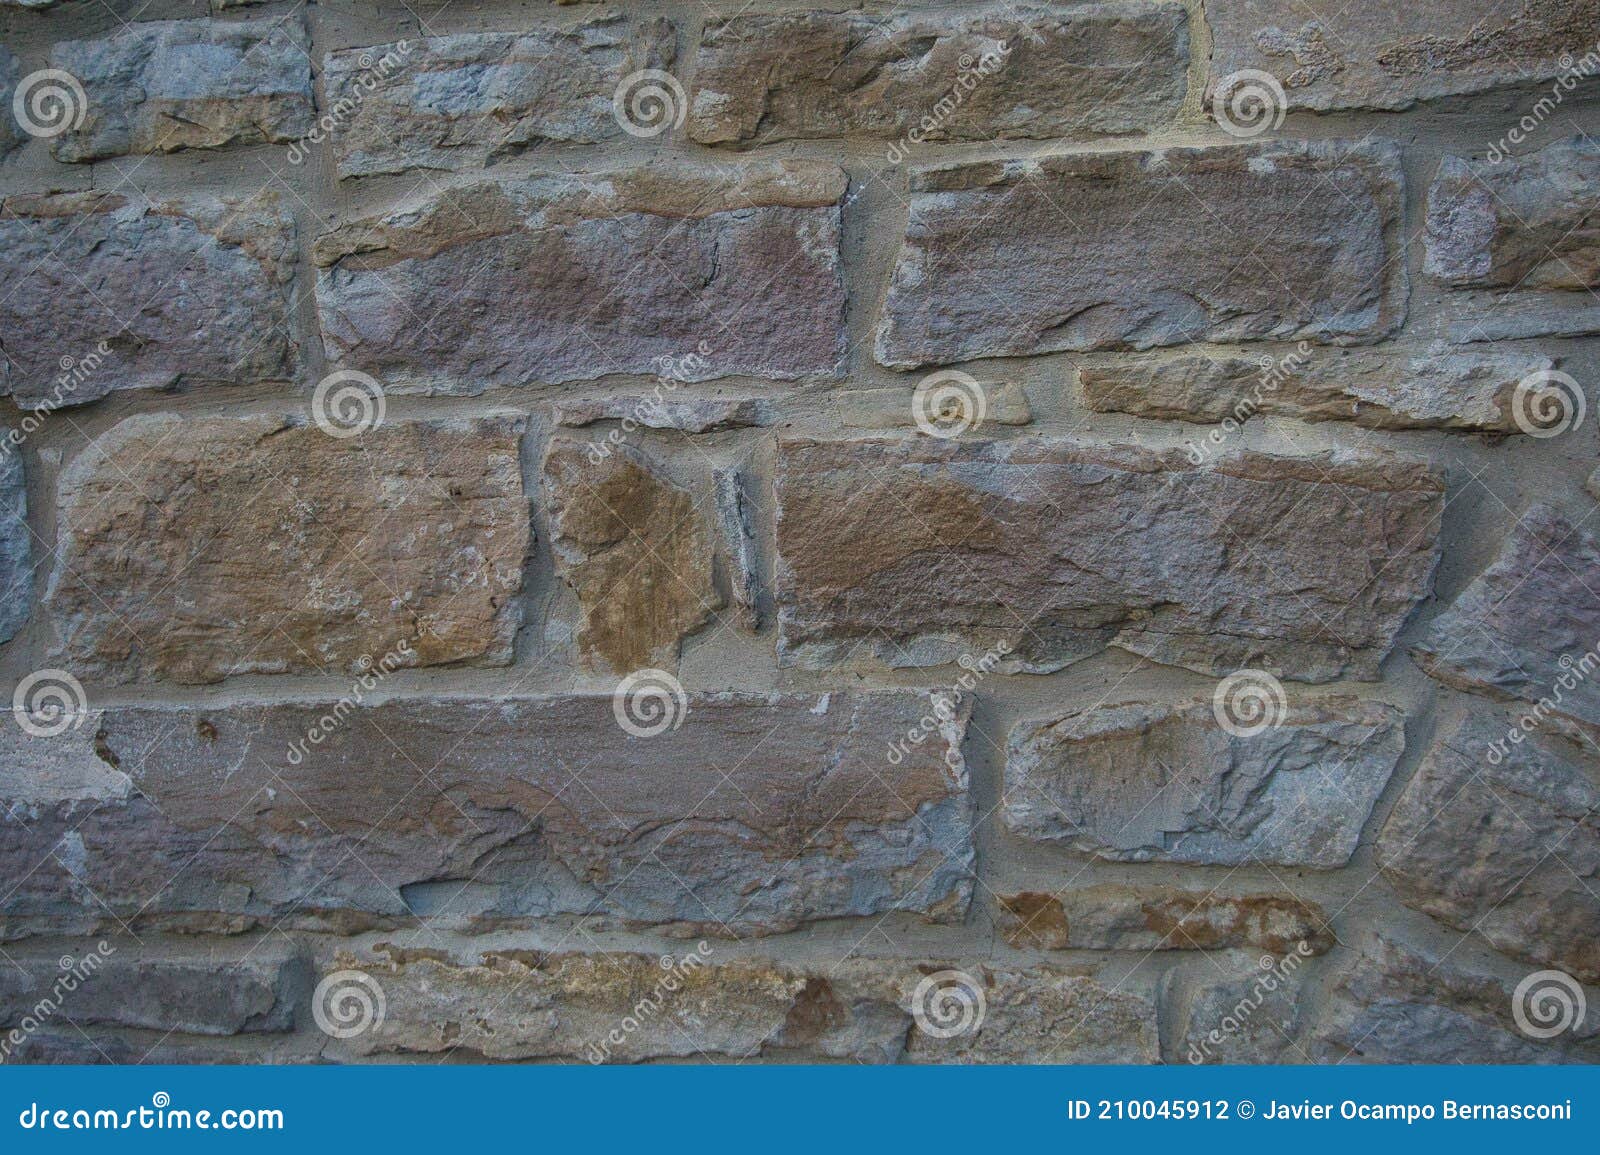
{"x":567,"y":278}
{"x":1129,"y":250}
{"x":266,"y":545}
{"x":453,"y":102}
{"x":16,"y":543}
{"x":915,"y":552}
{"x":1150,"y":918}
{"x":111,"y":292}
{"x":714,"y":814}
{"x":163,"y":85}
{"x":1000,"y":71}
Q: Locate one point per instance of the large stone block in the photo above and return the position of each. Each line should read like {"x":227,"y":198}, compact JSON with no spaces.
{"x":1102,"y":251}
{"x":919,"y":551}
{"x":16,"y":543}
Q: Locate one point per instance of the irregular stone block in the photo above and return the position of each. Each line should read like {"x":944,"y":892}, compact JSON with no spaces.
{"x":163,"y":85}
{"x":11,"y":133}
{"x":1114,"y":917}
{"x":467,"y":812}
{"x":992,"y":266}
{"x":190,"y":290}
{"x":1502,"y":838}
{"x":567,"y":278}
{"x":16,"y":542}
{"x":731,"y":494}
{"x":1522,"y":625}
{"x":1436,"y":388}
{"x":1237,"y":1008}
{"x":1038,"y":72}
{"x":1164,"y":782}
{"x":268,"y":546}
{"x":451,"y":102}
{"x":1061,"y":548}
{"x":1390,"y":56}
{"x":1526,"y":223}
{"x":632,"y":1007}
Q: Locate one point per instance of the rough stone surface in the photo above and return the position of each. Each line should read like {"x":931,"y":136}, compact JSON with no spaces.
{"x":575,"y":1006}
{"x":776,"y":811}
{"x":1300,"y":242}
{"x":141,"y":295}
{"x":682,"y":414}
{"x":1164,"y":782}
{"x":1397,"y":1005}
{"x":449,"y":102}
{"x":1503,"y":839}
{"x":1519,"y":629}
{"x":1389,"y":56}
{"x":731,"y":488}
{"x":16,"y":543}
{"x":636,"y":550}
{"x":1004,"y":403}
{"x":1033,"y":72}
{"x":270,"y":547}
{"x":11,"y":134}
{"x":565,"y":278}
{"x":163,"y":85}
{"x":1526,"y":223}
{"x":920,"y":551}
{"x":1435,"y":388}
{"x":1115,"y":917}
{"x":1237,"y":1008}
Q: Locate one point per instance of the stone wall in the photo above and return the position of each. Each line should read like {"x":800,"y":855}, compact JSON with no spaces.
{"x":940,"y":532}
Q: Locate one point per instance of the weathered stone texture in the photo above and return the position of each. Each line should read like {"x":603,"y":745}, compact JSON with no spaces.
{"x":1503,"y":839}
{"x":448,"y":102}
{"x":16,"y":542}
{"x":1237,"y":1008}
{"x":268,"y":546}
{"x":1147,"y":918}
{"x":1164,"y":782}
{"x":11,"y":133}
{"x":574,"y":1006}
{"x":1526,"y":223}
{"x":1390,"y":56}
{"x":774,"y":811}
{"x":565,"y":278}
{"x":635,"y":547}
{"x":1101,"y":251}
{"x":1520,"y":627}
{"x":164,"y":85}
{"x":141,"y":295}
{"x":1004,"y":403}
{"x":1435,"y":388}
{"x":655,"y":411}
{"x":1037,"y":72}
{"x":919,"y":551}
